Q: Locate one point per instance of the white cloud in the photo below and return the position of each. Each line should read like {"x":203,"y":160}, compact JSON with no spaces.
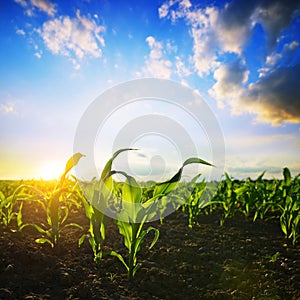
{"x":163,"y":10}
{"x":23,"y":3}
{"x":45,"y":6}
{"x":276,"y":58}
{"x":229,"y":80}
{"x":292,"y":46}
{"x":38,"y":54}
{"x":20,"y":32}
{"x":155,"y":64}
{"x":7,"y":108}
{"x":181,"y":69}
{"x":74,"y":38}
{"x":216,"y":31}
{"x":211,"y":35}
{"x":185,"y":4}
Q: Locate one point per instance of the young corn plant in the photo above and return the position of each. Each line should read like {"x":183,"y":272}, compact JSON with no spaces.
{"x":56,"y":212}
{"x":227,"y":198}
{"x":8,"y":208}
{"x":192,"y":193}
{"x":249,"y":195}
{"x":136,"y":212}
{"x":96,"y":200}
{"x":267,"y":206}
{"x":131,"y":220}
{"x":195,"y":204}
{"x":290,"y":206}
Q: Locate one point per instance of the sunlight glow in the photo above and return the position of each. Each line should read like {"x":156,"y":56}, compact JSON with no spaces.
{"x":51,"y":170}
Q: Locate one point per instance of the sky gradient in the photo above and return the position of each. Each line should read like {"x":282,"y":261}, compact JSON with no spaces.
{"x":243,"y":57}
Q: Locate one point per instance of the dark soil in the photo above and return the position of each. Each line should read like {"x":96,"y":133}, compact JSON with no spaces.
{"x":205,"y":262}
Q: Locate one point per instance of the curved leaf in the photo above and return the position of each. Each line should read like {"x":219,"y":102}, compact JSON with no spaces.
{"x":108,"y":165}
{"x":166,"y":187}
{"x":72,"y":162}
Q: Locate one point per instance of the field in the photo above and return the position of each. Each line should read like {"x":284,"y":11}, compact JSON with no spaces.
{"x":242,"y":243}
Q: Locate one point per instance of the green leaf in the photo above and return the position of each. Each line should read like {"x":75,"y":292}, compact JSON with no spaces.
{"x":287,"y":176}
{"x":136,"y":268}
{"x":65,"y":210}
{"x":283,"y":228}
{"x":131,"y":191}
{"x":87,"y":207}
{"x":125,"y":229}
{"x":119,"y":256}
{"x":260,"y":177}
{"x":74,"y":225}
{"x":108,"y":165}
{"x":141,"y":237}
{"x":19,"y":216}
{"x":166,"y":187}
{"x":82,"y":239}
{"x":43,"y":241}
{"x":156,"y":231}
{"x":39,"y":228}
{"x":193,"y":181}
{"x":72,"y":162}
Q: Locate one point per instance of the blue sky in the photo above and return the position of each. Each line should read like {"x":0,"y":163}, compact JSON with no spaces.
{"x":243,"y":57}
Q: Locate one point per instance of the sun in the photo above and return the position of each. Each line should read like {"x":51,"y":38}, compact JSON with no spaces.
{"x":50,"y":170}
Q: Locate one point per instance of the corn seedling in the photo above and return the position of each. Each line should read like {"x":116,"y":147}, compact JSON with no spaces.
{"x":7,"y":212}
{"x":273,"y":258}
{"x":8,"y":208}
{"x":194,"y":204}
{"x":226,"y":197}
{"x":135,"y":212}
{"x":52,"y":203}
{"x":99,"y":194}
{"x":290,"y":206}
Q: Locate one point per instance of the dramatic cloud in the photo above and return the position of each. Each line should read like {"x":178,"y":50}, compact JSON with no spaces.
{"x":275,"y":97}
{"x":218,"y":31}
{"x":74,"y":38}
{"x":228,"y":29}
{"x":275,"y":16}
{"x":155,"y":64}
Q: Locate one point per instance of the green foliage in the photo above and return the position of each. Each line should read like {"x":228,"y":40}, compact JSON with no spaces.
{"x":273,"y":258}
{"x":9,"y":208}
{"x":99,"y":192}
{"x":262,"y":199}
{"x":134,"y":206}
{"x":136,"y":212}
{"x":195,"y":203}
{"x":289,"y":192}
{"x":226,"y":197}
{"x":130,"y":227}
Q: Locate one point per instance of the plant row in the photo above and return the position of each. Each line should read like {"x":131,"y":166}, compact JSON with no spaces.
{"x":133,"y":205}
